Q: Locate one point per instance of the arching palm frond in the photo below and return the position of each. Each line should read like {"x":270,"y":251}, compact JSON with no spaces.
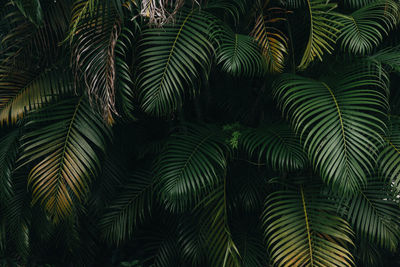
{"x":129,"y":208}
{"x":360,"y":34}
{"x":22,"y":91}
{"x":182,"y":54}
{"x":191,"y":163}
{"x":239,"y":55}
{"x":8,"y":155}
{"x":302,"y":229}
{"x":65,"y":152}
{"x":277,"y":145}
{"x":389,"y":157}
{"x":340,"y":121}
{"x":374,"y":213}
{"x":324,"y":28}
{"x":389,"y":57}
{"x":272,"y":41}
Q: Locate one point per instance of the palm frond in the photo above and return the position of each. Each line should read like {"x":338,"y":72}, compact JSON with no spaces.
{"x":239,"y":55}
{"x":65,"y":148}
{"x":341,"y":121}
{"x":323,"y":31}
{"x":389,"y":157}
{"x":129,"y":208}
{"x":389,"y":57}
{"x":8,"y":155}
{"x":22,"y":91}
{"x":31,"y":9}
{"x":192,"y":163}
{"x":360,"y":34}
{"x":182,"y":54}
{"x":94,"y":56}
{"x":276,"y":145}
{"x":374,"y":213}
{"x":302,"y":229}
{"x":221,"y":248}
{"x":271,"y":40}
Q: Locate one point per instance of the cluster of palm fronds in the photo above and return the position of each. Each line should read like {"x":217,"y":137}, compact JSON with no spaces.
{"x":199,"y":133}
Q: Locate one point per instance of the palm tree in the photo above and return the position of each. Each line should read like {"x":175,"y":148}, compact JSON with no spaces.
{"x":199,"y":133}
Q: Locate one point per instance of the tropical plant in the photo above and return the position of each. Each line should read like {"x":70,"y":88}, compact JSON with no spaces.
{"x":199,"y":133}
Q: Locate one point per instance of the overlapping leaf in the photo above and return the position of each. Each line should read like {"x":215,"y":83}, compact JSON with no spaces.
{"x":272,"y":41}
{"x":129,"y":208}
{"x":64,"y":145}
{"x":22,"y":91}
{"x":276,"y":145}
{"x":324,"y":28}
{"x":374,"y":213}
{"x":389,"y":157}
{"x":341,"y":122}
{"x":302,"y":229}
{"x":239,"y":55}
{"x":364,"y":29}
{"x":191,"y":163}
{"x":172,"y":59}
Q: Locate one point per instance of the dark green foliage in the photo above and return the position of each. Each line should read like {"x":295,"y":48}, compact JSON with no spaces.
{"x":219,"y":133}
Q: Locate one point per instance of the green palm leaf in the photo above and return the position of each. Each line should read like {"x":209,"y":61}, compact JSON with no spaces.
{"x":302,"y":229}
{"x":341,"y":121}
{"x":182,"y":54}
{"x":22,"y":91}
{"x":389,"y":157}
{"x":360,"y":34}
{"x":31,"y":9}
{"x":272,"y":41}
{"x":374,"y":213}
{"x":239,"y":55}
{"x":65,"y":152}
{"x":323,"y":31}
{"x":129,"y":208}
{"x":276,"y":145}
{"x":191,"y":163}
{"x":389,"y":57}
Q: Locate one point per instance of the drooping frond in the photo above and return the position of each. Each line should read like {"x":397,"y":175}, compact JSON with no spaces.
{"x":341,"y":121}
{"x":272,"y":41}
{"x":323,"y":31}
{"x":181,"y":55}
{"x":239,"y":55}
{"x":192,"y":162}
{"x":302,"y":229}
{"x":65,"y":147}
{"x":94,"y":56}
{"x":276,"y":145}
{"x":22,"y":91}
{"x":129,"y":208}
{"x":364,"y":29}
{"x":374,"y":213}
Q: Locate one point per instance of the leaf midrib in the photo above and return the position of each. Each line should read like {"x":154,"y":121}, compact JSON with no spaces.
{"x":171,"y":53}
